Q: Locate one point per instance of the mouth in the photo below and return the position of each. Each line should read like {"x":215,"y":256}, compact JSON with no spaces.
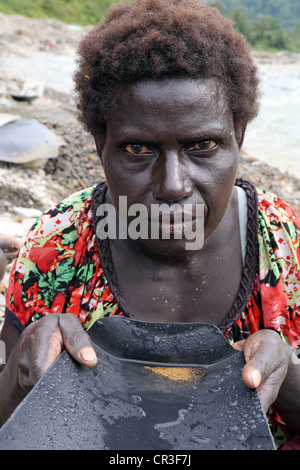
{"x":165,"y":222}
{"x":176,"y":225}
{"x":177,"y":228}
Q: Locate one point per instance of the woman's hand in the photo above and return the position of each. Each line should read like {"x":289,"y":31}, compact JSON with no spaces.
{"x":271,"y":368}
{"x":44,"y":340}
{"x":35,"y":350}
{"x":267,"y":358}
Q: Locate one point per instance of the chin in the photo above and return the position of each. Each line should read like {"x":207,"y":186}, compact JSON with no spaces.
{"x":171,"y":248}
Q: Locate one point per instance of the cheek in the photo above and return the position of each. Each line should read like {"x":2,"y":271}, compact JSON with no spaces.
{"x":217,"y":208}
{"x":219,"y":193}
{"x":127,"y":179}
{"x":124,"y":191}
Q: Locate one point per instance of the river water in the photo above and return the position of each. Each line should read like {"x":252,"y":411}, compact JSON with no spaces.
{"x":273,"y":137}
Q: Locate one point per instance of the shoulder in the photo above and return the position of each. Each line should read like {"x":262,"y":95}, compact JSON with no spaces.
{"x":279,"y":265}
{"x":275,"y":210}
{"x":70,"y":215}
{"x":57,"y":254}
{"x":72,"y":207}
{"x":268,"y":205}
{"x":278,"y":233}
{"x":59,"y":234}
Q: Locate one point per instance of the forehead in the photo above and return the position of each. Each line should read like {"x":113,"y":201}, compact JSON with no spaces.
{"x":177,"y":90}
{"x":180,"y":102}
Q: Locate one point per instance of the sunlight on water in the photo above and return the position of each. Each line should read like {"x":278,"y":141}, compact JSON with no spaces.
{"x":274,"y":136}
{"x":54,"y":69}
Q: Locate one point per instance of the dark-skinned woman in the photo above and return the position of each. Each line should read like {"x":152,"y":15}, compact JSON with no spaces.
{"x":167,"y":89}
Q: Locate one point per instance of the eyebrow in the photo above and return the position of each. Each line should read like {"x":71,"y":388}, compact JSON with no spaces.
{"x":211,"y":133}
{"x":146,"y":135}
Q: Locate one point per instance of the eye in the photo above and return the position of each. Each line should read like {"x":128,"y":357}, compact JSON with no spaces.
{"x":137,"y":149}
{"x":204,"y":145}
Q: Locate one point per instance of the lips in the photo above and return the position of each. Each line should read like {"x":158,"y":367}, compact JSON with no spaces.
{"x":173,"y":227}
{"x":178,"y":223}
{"x":175,"y":212}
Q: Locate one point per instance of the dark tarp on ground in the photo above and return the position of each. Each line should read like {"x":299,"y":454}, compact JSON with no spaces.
{"x":26,"y":140}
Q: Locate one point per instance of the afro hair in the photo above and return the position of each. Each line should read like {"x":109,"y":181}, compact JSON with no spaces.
{"x":151,"y":39}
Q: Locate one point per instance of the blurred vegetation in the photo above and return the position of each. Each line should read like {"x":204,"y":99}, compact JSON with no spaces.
{"x":80,"y":12}
{"x":270,"y":25}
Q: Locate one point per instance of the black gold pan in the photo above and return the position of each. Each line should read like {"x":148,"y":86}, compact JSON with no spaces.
{"x":157,"y":386}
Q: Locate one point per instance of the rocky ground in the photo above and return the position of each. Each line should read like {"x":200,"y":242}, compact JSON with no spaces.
{"x":27,"y":190}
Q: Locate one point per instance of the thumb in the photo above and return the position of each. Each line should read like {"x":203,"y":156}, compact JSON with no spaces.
{"x":76,"y":341}
{"x":250,"y":375}
{"x":239,"y":345}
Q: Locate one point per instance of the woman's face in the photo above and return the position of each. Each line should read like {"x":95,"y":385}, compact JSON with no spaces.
{"x":172,"y":141}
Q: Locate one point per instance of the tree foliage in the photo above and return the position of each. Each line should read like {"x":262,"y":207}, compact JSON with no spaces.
{"x":266,"y":24}
{"x":80,"y":12}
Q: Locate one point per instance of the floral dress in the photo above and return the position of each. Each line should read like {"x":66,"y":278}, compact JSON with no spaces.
{"x":63,"y":267}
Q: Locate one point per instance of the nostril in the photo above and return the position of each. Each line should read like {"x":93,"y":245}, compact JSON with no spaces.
{"x":171,"y":177}
{"x":172,"y":194}
{"x":177,"y":190}
{"x":172,"y":188}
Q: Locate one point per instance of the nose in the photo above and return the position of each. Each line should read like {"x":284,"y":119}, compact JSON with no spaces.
{"x":172,"y":180}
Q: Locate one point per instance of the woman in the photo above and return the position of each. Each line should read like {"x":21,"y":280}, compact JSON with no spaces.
{"x":166,"y":88}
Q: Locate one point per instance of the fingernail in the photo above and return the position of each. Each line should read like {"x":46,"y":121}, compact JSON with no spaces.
{"x":87,"y":354}
{"x":256,"y":378}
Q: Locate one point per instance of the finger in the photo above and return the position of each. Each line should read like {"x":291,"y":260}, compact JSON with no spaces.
{"x":239,"y":345}
{"x":263,"y":355}
{"x":76,"y":340}
{"x":251,"y":376}
{"x":23,"y":367}
{"x":255,"y":371}
{"x":266,"y":365}
{"x":41,"y":344}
